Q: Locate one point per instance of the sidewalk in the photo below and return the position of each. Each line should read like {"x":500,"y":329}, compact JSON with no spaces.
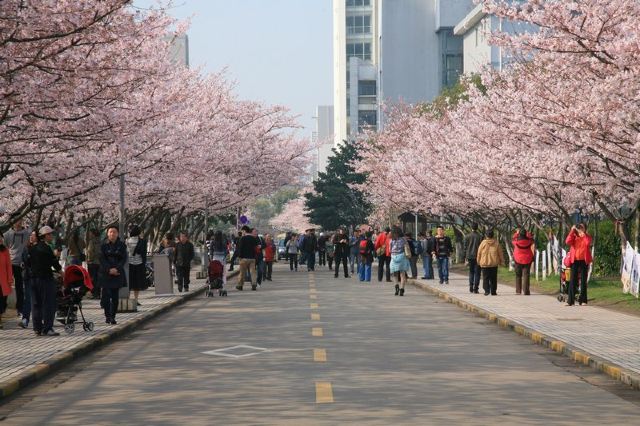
{"x":605,"y":340}
{"x":25,"y":357}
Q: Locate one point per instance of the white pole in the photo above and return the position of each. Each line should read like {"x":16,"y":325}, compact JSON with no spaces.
{"x":537,"y":263}
{"x":544,"y":265}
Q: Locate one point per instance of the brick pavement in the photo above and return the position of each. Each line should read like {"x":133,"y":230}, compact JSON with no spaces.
{"x":606,"y":338}
{"x":25,"y":356}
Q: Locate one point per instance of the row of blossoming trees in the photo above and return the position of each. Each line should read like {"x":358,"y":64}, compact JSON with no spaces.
{"x":557,"y":129}
{"x":88,"y":92}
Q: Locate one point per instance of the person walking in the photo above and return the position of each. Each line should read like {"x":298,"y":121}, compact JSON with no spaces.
{"x":16,"y":240}
{"x":43,"y":263}
{"x":259,"y":256}
{"x":292,"y":251}
{"x":246,"y":249}
{"x":413,"y":259}
{"x":354,"y":251}
{"x":442,"y":251}
{"x":399,"y":264}
{"x":310,"y":247}
{"x":471,"y":243}
{"x":383,"y":251}
{"x":137,"y":252}
{"x":341,"y":243}
{"x":6,"y":277}
{"x":322,"y":249}
{"x":270,"y":251}
{"x":302,"y":259}
{"x":112,"y":277}
{"x":27,"y":278}
{"x":489,"y":257}
{"x":428,"y":247}
{"x":523,"y":249}
{"x":331,"y":251}
{"x":366,"y":257}
{"x":183,"y":256}
{"x":580,"y":258}
{"x":93,"y":259}
{"x":75,"y":248}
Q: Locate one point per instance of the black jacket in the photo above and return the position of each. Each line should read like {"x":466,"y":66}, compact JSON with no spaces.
{"x":342,"y":249}
{"x":184,"y":254}
{"x":112,"y":255}
{"x":246,"y":248}
{"x":310,"y":244}
{"x":471,"y":244}
{"x":443,"y":247}
{"x":43,"y":261}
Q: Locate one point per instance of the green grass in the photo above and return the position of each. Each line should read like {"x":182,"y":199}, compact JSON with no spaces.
{"x":603,"y":291}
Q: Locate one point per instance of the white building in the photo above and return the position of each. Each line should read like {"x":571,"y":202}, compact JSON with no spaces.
{"x":475,"y":29}
{"x":324,"y":136}
{"x":391,"y":51}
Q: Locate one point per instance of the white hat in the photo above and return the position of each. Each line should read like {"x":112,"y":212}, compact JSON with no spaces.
{"x":45,"y":230}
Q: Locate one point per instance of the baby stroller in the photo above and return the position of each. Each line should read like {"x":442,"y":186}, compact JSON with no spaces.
{"x":565,"y":281}
{"x":215,"y":279}
{"x":76,"y":282}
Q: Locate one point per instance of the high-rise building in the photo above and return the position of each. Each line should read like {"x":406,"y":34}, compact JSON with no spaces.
{"x":324,"y":136}
{"x":179,"y":49}
{"x":388,"y":51}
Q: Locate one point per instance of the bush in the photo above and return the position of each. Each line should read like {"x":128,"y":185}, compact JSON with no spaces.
{"x":607,"y":249}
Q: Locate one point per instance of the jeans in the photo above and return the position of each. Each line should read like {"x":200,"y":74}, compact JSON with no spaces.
{"x":413,"y":261}
{"x":345,"y":262}
{"x":268,"y":270}
{"x":322,"y":257}
{"x":330,"y":261}
{"x":427,"y":266}
{"x":293,"y":261}
{"x":43,"y":303}
{"x":523,"y":275}
{"x":311,"y":260}
{"x":354,"y":262}
{"x":474,"y":274}
{"x":579,"y":267}
{"x":259,"y":271}
{"x":109,"y":302}
{"x":382,"y":261}
{"x":183,"y":273}
{"x":364,"y":271}
{"x":94,"y":268}
{"x":26,"y":307}
{"x":490,"y":280}
{"x":247,"y":265}
{"x":443,"y":269}
{"x":19,"y":285}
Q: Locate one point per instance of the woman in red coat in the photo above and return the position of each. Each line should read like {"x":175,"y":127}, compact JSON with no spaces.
{"x":6,"y":277}
{"x":580,"y":259}
{"x":523,"y":249}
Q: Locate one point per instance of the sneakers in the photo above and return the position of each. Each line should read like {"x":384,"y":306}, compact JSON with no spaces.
{"x":254,"y":288}
{"x":446,"y":283}
{"x":51,"y":332}
{"x":24,"y":323}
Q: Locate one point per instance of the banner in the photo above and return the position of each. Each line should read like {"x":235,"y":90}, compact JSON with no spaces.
{"x":635,"y":276}
{"x":627,"y":266}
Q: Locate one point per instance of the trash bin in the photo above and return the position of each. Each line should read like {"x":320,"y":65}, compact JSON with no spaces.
{"x":162,"y":274}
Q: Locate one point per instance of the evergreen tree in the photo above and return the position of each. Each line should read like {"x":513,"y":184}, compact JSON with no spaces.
{"x":334,"y":203}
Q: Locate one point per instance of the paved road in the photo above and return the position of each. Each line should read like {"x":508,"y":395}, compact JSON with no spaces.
{"x":389,"y":360}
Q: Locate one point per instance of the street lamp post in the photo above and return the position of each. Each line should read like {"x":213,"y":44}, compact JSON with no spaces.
{"x":123,"y":294}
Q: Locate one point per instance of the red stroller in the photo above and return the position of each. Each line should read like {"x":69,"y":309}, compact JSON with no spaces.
{"x":215,"y":279}
{"x":76,"y":283}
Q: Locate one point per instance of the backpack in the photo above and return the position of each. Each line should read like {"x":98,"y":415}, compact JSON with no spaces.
{"x":417,"y":247}
{"x":364,"y":247}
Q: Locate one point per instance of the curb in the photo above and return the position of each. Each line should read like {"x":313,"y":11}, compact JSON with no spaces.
{"x":56,"y":362}
{"x":579,"y":356}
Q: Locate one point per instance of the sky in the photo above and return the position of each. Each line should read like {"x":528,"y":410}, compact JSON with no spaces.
{"x":276,"y":51}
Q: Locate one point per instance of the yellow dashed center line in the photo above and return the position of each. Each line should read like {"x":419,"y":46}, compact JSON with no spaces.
{"x":313,"y":291}
{"x":324,"y":393}
{"x":317,"y":332}
{"x":320,"y":355}
{"x":313,"y":306}
{"x":313,"y":296}
{"x":315,"y":317}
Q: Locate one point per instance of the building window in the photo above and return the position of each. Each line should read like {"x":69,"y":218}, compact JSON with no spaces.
{"x":360,"y":24}
{"x":366,"y":88}
{"x":367,"y":120}
{"x":359,"y":50}
{"x":452,"y":59}
{"x":356,"y":3}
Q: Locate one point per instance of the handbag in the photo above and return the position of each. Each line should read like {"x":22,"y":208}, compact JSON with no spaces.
{"x":380,"y":251}
{"x":407,"y":250}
